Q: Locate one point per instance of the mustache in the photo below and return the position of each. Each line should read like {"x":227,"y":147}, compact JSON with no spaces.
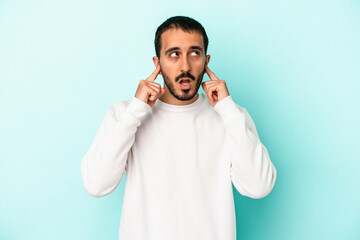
{"x":184,"y":75}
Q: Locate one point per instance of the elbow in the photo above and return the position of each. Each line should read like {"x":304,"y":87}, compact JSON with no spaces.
{"x":95,"y":191}
{"x":95,"y":186}
{"x":265,"y":187}
{"x":99,"y":187}
{"x":261,"y":192}
{"x":255,"y":189}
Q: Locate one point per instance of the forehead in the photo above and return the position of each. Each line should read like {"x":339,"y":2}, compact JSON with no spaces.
{"x":178,"y":38}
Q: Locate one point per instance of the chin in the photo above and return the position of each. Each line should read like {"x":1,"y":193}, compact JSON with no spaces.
{"x":185,"y":95}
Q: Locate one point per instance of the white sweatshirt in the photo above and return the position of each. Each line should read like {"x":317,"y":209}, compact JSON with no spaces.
{"x":180,"y":163}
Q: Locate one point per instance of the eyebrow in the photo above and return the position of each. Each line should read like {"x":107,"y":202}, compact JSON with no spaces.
{"x":177,"y":48}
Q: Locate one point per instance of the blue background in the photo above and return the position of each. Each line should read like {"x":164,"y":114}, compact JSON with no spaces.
{"x":294,"y":65}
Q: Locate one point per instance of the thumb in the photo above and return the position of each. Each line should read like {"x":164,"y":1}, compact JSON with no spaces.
{"x":203,"y":86}
{"x":162,"y":91}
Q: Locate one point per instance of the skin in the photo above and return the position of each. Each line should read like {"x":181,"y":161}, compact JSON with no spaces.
{"x":186,"y":61}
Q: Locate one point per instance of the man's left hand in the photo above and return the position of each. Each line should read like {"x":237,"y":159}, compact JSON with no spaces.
{"x":215,"y":89}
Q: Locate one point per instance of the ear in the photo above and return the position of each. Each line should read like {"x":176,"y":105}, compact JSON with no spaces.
{"x":156,"y":62}
{"x":207,"y":60}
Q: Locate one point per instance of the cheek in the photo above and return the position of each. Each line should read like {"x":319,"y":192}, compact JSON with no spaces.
{"x":169,"y":69}
{"x":165,"y":65}
{"x":199,"y":66}
{"x":198,"y":61}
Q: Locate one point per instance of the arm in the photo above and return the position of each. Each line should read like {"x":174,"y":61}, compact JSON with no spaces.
{"x":105,"y":162}
{"x":251,"y":170}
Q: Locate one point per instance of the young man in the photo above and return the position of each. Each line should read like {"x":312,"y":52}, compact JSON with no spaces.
{"x":181,"y":150}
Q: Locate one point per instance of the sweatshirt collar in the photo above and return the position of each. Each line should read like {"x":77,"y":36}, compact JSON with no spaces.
{"x":180,"y":108}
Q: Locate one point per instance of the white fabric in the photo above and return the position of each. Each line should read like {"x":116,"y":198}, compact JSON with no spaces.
{"x":180,"y":163}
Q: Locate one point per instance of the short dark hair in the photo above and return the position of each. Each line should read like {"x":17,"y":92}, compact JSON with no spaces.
{"x":179,"y":22}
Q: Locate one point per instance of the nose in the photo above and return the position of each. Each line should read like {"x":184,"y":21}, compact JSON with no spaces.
{"x":185,"y":67}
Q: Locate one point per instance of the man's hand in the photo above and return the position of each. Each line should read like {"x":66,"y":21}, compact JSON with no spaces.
{"x":215,"y":89}
{"x":148,"y":90}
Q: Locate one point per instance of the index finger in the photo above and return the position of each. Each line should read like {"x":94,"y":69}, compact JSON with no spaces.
{"x":210,"y":73}
{"x":153,"y":76}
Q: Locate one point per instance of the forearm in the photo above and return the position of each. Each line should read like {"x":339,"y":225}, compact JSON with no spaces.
{"x":104,"y":164}
{"x":252,"y":172}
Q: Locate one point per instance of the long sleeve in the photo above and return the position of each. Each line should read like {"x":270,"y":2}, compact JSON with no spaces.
{"x":251,"y":170}
{"x":105,"y":162}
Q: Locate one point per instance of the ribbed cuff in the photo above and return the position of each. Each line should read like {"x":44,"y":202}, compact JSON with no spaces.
{"x":228,"y":110}
{"x":138,"y":108}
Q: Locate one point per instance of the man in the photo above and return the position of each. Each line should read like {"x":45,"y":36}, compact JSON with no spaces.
{"x":181,"y":150}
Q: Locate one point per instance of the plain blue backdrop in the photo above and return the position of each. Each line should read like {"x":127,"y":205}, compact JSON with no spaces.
{"x":294,"y":65}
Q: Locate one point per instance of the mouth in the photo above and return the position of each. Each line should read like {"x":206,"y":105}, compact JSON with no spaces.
{"x":185,"y":83}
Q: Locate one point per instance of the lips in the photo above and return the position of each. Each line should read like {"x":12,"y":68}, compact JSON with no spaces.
{"x":185,"y":83}
{"x":184,"y":79}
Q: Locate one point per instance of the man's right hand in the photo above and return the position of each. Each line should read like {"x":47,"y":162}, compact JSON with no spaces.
{"x":148,"y":90}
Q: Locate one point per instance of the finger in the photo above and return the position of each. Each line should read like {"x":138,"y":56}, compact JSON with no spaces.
{"x":155,"y":88}
{"x":206,"y":90}
{"x":213,"y":88}
{"x":203,"y":84}
{"x":162,"y":91}
{"x":209,"y":95}
{"x":154,"y":84}
{"x":153,"y":76}
{"x":153,"y":95}
{"x":210,"y":73}
{"x":147,"y":84}
{"x":153,"y":91}
{"x":211,"y":83}
{"x":213,"y":92}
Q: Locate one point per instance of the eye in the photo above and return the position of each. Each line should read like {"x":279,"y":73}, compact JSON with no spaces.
{"x":172,"y":54}
{"x":195,"y":53}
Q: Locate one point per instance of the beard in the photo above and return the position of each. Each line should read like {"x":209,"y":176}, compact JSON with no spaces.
{"x":185,"y":94}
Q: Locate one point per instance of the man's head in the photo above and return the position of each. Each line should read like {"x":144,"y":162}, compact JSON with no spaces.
{"x":181,"y":46}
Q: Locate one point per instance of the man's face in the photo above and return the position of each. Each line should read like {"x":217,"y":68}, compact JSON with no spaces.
{"x":182,"y":63}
